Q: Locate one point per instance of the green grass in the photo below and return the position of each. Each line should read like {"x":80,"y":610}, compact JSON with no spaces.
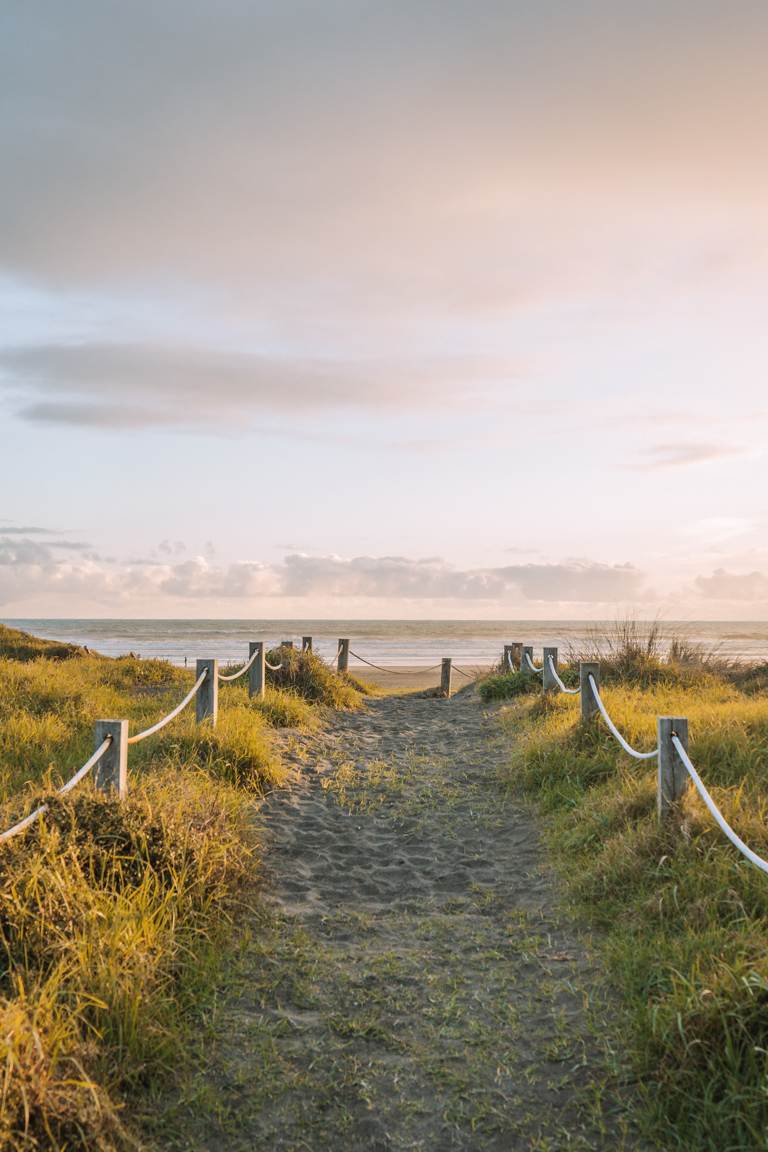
{"x":115,"y":916}
{"x":685,"y":918}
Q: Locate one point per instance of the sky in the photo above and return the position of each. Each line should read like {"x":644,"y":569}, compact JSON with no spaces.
{"x":406,"y":309}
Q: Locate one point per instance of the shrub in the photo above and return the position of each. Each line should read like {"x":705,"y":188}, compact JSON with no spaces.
{"x":306,"y":675}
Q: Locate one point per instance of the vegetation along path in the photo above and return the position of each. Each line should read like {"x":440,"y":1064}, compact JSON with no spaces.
{"x":413,"y":983}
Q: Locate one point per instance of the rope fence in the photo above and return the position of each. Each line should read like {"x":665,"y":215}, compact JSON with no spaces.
{"x":675,"y":768}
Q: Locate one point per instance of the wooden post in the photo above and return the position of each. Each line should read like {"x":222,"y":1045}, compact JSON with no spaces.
{"x":111,"y":772}
{"x":445,"y":677}
{"x":286,"y":643}
{"x":525,"y":650}
{"x":342,"y":662}
{"x":257,"y":673}
{"x":207,"y":699}
{"x":506,"y":659}
{"x":589,"y":707}
{"x":517,"y":656}
{"x":306,"y":643}
{"x":673,"y":778}
{"x":548,"y":682}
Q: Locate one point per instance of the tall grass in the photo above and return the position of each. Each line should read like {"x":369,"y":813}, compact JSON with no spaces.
{"x":112,"y":913}
{"x":684,"y":917}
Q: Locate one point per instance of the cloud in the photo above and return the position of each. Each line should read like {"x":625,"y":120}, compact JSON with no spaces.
{"x":11,"y":529}
{"x":34,"y":570}
{"x":723,"y":585}
{"x":135,"y":385}
{"x":680,"y":455}
{"x":383,"y":154}
{"x":400,"y":577}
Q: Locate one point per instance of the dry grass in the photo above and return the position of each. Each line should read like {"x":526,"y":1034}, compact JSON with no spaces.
{"x":114,"y":915}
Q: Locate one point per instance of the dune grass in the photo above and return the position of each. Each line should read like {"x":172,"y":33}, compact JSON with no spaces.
{"x":115,"y":916}
{"x":306,"y":675}
{"x":684,"y":917}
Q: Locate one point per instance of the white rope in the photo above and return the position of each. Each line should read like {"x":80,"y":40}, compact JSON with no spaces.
{"x":531,"y":664}
{"x":394,"y":671}
{"x":171,"y":715}
{"x":509,"y":661}
{"x":273,"y":667}
{"x":558,"y":681}
{"x":715,"y":811}
{"x":70,"y":784}
{"x":614,"y":730}
{"x":241,"y":671}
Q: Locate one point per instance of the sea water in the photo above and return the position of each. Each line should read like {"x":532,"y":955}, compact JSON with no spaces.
{"x":413,"y":643}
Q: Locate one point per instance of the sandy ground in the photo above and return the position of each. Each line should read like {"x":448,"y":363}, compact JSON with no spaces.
{"x":411,"y":679}
{"x":412,"y":984}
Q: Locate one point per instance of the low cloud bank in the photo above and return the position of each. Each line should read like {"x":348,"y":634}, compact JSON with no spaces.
{"x":31,"y":569}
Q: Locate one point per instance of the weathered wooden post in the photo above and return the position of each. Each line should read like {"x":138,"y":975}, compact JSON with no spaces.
{"x":286,"y":643}
{"x":257,"y":673}
{"x":589,"y":707}
{"x":548,"y":681}
{"x":526,"y":650}
{"x":445,"y":677}
{"x":207,"y":699}
{"x":342,"y":659}
{"x":517,"y":656}
{"x":111,"y":772}
{"x":673,"y":778}
{"x":506,"y":659}
{"x":306,"y":643}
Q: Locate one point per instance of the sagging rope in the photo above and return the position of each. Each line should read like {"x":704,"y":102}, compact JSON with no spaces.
{"x":273,"y":667}
{"x":469,"y":675}
{"x":532,"y":666}
{"x":240,"y":672}
{"x":715,"y":811}
{"x":70,"y":784}
{"x":558,"y":681}
{"x":171,"y":715}
{"x":394,"y":671}
{"x":614,"y":730}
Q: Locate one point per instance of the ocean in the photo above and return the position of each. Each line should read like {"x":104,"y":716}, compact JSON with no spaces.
{"x":415,"y":643}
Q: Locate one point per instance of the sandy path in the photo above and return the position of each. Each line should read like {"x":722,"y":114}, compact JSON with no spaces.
{"x":413,"y":984}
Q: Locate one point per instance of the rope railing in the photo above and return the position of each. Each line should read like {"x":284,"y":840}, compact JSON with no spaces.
{"x":273,"y":667}
{"x":715,"y":812}
{"x":671,"y":750}
{"x":70,"y":784}
{"x":394,"y":671}
{"x":614,"y":730}
{"x":531,"y":665}
{"x":558,"y":681}
{"x":240,"y":672}
{"x":138,"y":736}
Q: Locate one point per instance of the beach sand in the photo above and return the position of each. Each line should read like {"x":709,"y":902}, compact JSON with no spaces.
{"x":414,"y":679}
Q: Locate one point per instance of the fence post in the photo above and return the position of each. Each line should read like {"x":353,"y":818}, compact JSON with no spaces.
{"x":445,"y":677}
{"x":257,"y":671}
{"x":673,"y":778}
{"x":589,"y":707}
{"x":526,"y":650}
{"x":111,"y":773}
{"x":306,"y":643}
{"x":548,"y":682}
{"x":517,"y":656}
{"x":207,"y":699}
{"x":286,"y":643}
{"x":506,"y":659}
{"x":342,"y":661}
